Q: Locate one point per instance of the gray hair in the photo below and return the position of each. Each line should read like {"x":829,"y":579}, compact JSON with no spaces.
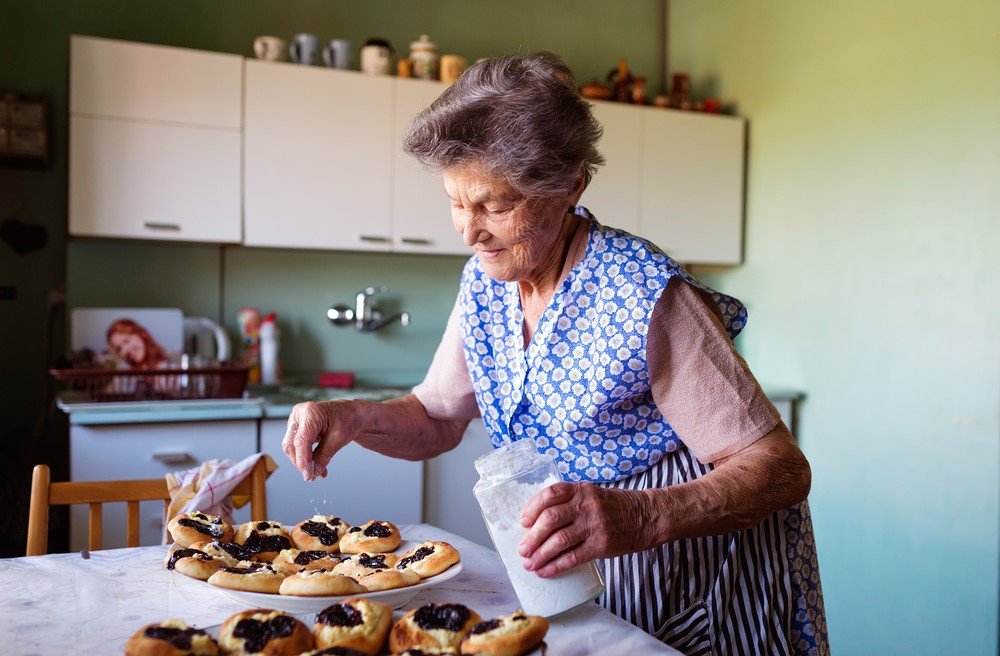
{"x":519,"y":118}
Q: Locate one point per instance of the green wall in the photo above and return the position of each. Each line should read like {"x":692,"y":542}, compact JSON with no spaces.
{"x":34,"y":44}
{"x":873,"y":233}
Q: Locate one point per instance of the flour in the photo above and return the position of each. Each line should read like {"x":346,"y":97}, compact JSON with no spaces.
{"x":501,"y":505}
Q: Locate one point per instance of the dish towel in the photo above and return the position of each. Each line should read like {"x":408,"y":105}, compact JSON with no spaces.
{"x":208,"y":488}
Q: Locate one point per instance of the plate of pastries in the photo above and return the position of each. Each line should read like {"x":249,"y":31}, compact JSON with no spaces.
{"x":303,"y":569}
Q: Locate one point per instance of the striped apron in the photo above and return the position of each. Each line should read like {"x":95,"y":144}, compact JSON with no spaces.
{"x":581,"y":392}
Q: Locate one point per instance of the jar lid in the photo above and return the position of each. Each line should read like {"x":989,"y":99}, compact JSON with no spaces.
{"x":424,"y":43}
{"x":378,"y":42}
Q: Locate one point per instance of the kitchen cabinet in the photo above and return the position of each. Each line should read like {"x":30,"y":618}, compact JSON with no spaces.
{"x":421,"y":214}
{"x":155,"y":142}
{"x":318,"y":152}
{"x":691,"y":185}
{"x":613,"y":194}
{"x":448,"y":497}
{"x":360,"y":484}
{"x":133,"y":451}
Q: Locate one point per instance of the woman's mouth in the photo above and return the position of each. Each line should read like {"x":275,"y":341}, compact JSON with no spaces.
{"x":490,"y":254}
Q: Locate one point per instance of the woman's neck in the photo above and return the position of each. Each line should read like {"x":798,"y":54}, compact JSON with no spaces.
{"x":536,"y":290}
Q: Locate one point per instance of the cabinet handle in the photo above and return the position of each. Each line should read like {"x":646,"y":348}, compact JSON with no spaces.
{"x":170,"y":227}
{"x":173,"y":458}
{"x":417,"y":241}
{"x":374,"y":239}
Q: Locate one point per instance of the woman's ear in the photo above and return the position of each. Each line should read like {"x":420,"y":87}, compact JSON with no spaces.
{"x":581,"y":184}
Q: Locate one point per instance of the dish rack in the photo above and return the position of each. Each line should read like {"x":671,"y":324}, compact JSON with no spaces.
{"x":118,"y":385}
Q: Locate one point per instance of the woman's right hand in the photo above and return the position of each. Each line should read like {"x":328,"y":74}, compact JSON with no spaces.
{"x":316,"y":431}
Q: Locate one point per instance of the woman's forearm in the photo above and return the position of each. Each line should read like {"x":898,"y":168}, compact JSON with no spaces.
{"x":767,"y":476}
{"x":401,"y":428}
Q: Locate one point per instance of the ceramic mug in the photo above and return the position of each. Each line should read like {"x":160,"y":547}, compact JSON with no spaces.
{"x":452,"y":66}
{"x":269,"y":48}
{"x":305,"y":49}
{"x":339,"y":54}
{"x":376,"y":57}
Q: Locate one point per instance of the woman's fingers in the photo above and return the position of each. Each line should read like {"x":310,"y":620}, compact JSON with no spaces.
{"x":566,"y":561}
{"x":557,"y":544}
{"x":549,"y":521}
{"x":551,"y":496}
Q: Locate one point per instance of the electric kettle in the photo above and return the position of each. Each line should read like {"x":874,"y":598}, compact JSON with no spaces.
{"x":206,"y":339}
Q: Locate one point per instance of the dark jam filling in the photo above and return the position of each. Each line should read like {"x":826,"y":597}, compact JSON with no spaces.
{"x":179,"y":638}
{"x":451,"y":617}
{"x":486,"y":627}
{"x":249,"y":569}
{"x":372,"y":562}
{"x":258,"y":543}
{"x":257,"y":634}
{"x":306,"y":557}
{"x":326,"y":535}
{"x":339,"y":651}
{"x":235,"y":550}
{"x":340,"y":615}
{"x":210,"y":530}
{"x":263,"y":526}
{"x":184,"y":553}
{"x":378,"y":530}
{"x":418,"y":555}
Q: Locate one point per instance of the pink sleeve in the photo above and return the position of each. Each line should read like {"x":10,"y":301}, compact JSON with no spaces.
{"x":700,"y":384}
{"x":446,"y":392}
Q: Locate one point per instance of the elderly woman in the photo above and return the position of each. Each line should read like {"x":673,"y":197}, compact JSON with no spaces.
{"x":679,"y":477}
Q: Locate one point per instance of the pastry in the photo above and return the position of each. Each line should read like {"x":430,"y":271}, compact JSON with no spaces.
{"x":264,"y":540}
{"x":230,"y":552}
{"x":321,"y":533}
{"x":335,"y":651}
{"x":389,"y":579}
{"x":188,"y":528}
{"x":264,"y":631}
{"x":512,"y":635}
{"x":433,"y":626}
{"x":193,"y":562}
{"x":170,"y":638}
{"x":429,"y":559}
{"x":373,"y":537}
{"x":356,"y":623}
{"x":251,"y":577}
{"x":293,"y":560}
{"x":318,"y":583}
{"x":430,"y":652}
{"x":363,"y":564}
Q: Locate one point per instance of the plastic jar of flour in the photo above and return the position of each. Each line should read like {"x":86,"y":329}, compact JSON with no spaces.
{"x":508,"y":478}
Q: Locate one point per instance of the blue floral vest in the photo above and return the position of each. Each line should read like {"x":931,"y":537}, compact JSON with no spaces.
{"x":581,"y":388}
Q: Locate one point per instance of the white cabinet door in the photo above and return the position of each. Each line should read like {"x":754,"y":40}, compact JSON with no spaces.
{"x":155,"y":83}
{"x":613,"y":194}
{"x":691,"y":202}
{"x":360,"y":485}
{"x":153,"y":180}
{"x":133,"y":451}
{"x":421,"y":215}
{"x":448,"y":489}
{"x":318,"y":150}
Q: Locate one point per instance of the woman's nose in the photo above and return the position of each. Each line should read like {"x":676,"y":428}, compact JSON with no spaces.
{"x":472,"y":231}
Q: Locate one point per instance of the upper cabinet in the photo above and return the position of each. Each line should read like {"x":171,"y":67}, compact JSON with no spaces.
{"x":613,"y":194}
{"x":421,"y":213}
{"x":155,"y":142}
{"x":318,"y":153}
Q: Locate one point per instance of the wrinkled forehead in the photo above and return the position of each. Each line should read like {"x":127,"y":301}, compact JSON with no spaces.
{"x":472,"y":185}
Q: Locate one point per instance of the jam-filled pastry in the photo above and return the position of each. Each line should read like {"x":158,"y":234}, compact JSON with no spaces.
{"x":373,"y":537}
{"x":512,"y":635}
{"x":363,"y":564}
{"x":335,"y":651}
{"x":293,"y":560}
{"x":170,"y":638}
{"x":228,"y":552}
{"x":433,"y":626}
{"x":264,"y":540}
{"x":188,"y":528}
{"x":428,"y":652}
{"x":389,"y":579}
{"x":264,"y":631}
{"x":248,"y":576}
{"x":429,"y":559}
{"x":318,"y":583}
{"x":193,"y":562}
{"x":321,"y":533}
{"x":355,"y":623}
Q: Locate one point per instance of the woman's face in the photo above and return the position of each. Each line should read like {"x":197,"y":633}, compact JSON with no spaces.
{"x":129,"y":346}
{"x":514,"y":237}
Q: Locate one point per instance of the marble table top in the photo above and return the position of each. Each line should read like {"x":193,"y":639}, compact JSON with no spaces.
{"x":63,"y":603}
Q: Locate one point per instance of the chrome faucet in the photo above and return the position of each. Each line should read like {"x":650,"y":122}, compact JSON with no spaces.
{"x":365,"y":316}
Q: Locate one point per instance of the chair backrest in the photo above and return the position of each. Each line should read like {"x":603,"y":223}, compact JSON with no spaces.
{"x":44,"y":493}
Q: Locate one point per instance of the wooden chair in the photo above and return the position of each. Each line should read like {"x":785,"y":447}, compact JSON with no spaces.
{"x":45,"y":494}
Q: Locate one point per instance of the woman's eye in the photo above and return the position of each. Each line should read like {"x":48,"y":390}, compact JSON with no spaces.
{"x":500,"y":210}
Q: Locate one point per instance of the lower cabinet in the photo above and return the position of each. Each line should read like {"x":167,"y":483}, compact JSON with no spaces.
{"x":449,"y":502}
{"x":360,"y":485}
{"x":133,"y":451}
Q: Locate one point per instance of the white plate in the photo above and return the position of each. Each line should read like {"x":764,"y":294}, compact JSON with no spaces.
{"x":396,"y":598}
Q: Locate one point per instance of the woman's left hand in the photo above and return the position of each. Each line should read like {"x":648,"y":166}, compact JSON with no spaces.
{"x":573,"y":523}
